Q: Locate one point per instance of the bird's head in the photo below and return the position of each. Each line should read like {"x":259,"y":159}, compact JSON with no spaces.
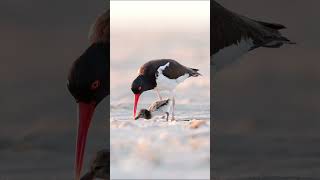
{"x":138,"y":86}
{"x":88,"y":82}
{"x":143,"y":113}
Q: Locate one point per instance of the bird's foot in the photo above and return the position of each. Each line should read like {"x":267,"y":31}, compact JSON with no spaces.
{"x":159,"y":96}
{"x":167,"y":116}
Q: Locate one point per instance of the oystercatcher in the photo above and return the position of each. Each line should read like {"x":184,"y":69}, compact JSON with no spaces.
{"x":234,"y":35}
{"x":160,"y":75}
{"x":88,"y":81}
{"x":157,"y":108}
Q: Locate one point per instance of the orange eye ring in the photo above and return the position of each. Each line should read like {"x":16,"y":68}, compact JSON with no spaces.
{"x":95,"y":85}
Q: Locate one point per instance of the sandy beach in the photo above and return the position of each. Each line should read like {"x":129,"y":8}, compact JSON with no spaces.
{"x":157,"y":149}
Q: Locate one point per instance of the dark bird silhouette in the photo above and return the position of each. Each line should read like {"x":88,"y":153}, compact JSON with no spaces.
{"x":88,"y":81}
{"x":233,"y":35}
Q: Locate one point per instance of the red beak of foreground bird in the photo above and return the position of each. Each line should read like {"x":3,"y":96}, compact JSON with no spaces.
{"x":88,"y":82}
{"x":85,"y":115}
{"x":136,"y":100}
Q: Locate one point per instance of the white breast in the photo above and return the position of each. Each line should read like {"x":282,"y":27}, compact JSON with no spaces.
{"x":166,"y":84}
{"x":230,"y":54}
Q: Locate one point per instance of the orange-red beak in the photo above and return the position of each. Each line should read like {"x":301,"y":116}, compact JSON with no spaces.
{"x":85,"y":115}
{"x":136,"y":100}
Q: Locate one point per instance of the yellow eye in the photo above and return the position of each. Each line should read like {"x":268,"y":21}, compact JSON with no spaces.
{"x":95,"y":85}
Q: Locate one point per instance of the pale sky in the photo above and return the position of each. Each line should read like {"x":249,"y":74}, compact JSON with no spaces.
{"x":158,"y":15}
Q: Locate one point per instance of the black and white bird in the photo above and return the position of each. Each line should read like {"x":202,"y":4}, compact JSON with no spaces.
{"x":234,"y":35}
{"x":158,"y":108}
{"x":160,"y":75}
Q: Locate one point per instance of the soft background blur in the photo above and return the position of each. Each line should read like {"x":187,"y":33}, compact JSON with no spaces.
{"x":266,"y":108}
{"x":39,"y":41}
{"x":143,"y":31}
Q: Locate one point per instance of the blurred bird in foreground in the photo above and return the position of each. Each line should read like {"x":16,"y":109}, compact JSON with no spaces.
{"x":100,"y":166}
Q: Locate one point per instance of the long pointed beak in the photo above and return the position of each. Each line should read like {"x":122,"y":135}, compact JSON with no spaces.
{"x":85,"y":115}
{"x":136,"y":100}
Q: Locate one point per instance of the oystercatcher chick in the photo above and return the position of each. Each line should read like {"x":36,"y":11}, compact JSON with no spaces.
{"x":160,"y":75}
{"x":157,"y":108}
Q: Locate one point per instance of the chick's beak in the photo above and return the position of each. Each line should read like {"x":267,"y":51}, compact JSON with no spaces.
{"x":137,"y":117}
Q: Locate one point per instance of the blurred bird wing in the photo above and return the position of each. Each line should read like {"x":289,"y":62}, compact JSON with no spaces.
{"x":233,"y":35}
{"x":100,"y":29}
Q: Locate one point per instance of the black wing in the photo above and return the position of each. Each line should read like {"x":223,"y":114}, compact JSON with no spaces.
{"x":229,"y":28}
{"x":173,"y":71}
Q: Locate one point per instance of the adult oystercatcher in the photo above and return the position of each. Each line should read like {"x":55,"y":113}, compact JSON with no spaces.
{"x":234,"y":35}
{"x":157,"y":108}
{"x":160,"y":75}
{"x":88,"y":81}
